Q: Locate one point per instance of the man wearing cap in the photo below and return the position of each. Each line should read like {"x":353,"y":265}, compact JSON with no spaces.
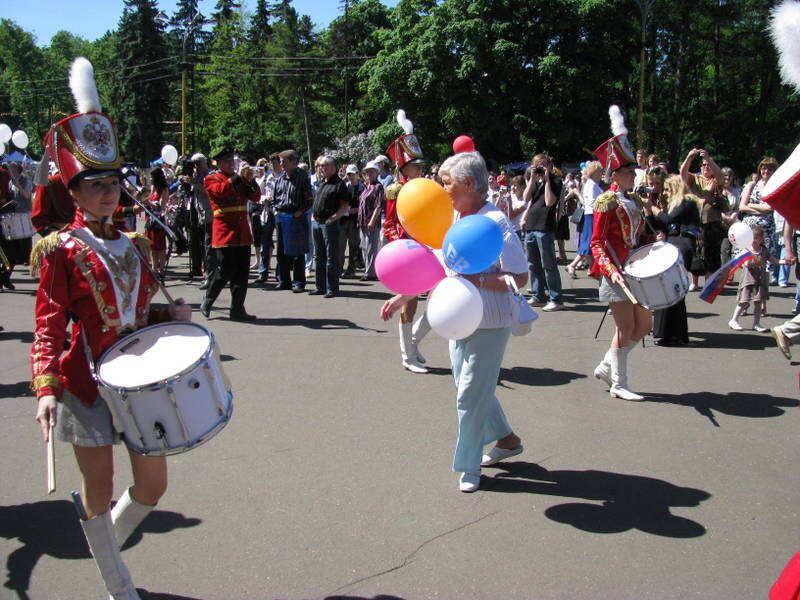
{"x":385,"y":177}
{"x":349,"y":226}
{"x":370,"y":206}
{"x":228,"y":193}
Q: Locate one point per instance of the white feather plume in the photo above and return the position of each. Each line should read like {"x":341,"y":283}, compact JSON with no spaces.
{"x":785,"y":31}
{"x":84,"y":90}
{"x":402,"y":120}
{"x":617,"y":121}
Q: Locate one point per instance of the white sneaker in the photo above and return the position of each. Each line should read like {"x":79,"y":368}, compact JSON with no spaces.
{"x":733,"y":324}
{"x":760,"y":328}
{"x":624,"y":394}
{"x":470,"y":482}
{"x":552,"y":307}
{"x":414,"y":367}
{"x":535,"y":303}
{"x":603,"y":373}
{"x":692,"y":287}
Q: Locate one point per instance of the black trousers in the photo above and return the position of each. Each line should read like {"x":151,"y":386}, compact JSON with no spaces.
{"x":234,"y":267}
{"x":211,"y":260}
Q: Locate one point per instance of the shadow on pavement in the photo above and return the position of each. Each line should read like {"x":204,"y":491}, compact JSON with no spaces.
{"x":316,"y":324}
{"x":626,"y":501}
{"x":734,"y":340}
{"x":735,"y":404}
{"x":538,"y":377}
{"x":147,"y":595}
{"x":20,"y":389}
{"x":26,"y":337}
{"x":51,"y":528}
{"x":378,"y":597}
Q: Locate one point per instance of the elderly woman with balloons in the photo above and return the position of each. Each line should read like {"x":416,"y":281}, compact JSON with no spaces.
{"x":473,"y":308}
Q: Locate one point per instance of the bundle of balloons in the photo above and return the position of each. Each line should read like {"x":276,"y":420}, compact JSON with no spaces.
{"x":19,"y":138}
{"x":413,"y":266}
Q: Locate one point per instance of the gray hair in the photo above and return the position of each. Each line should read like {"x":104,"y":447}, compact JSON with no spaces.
{"x":466,"y":165}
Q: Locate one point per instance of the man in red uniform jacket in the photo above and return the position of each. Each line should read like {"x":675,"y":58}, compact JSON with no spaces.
{"x":231,"y":238}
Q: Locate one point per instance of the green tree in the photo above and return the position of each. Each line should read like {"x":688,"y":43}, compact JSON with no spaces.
{"x":139,"y":86}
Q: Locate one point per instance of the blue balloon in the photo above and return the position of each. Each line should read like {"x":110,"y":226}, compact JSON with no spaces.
{"x":472,"y":244}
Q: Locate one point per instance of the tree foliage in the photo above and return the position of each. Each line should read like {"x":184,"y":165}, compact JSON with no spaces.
{"x":519,"y":77}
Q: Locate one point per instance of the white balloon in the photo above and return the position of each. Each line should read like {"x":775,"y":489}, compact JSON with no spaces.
{"x":170,"y":154}
{"x":740,"y":235}
{"x":2,"y":148}
{"x":20,"y":139}
{"x":455,"y":308}
{"x":5,"y":133}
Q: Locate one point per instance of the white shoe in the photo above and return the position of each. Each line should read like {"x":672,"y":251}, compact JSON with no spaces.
{"x":692,"y":287}
{"x":735,"y":325}
{"x":496,"y":455}
{"x":617,"y":391}
{"x":552,"y":307}
{"x":414,"y":367}
{"x":536,"y":303}
{"x":103,"y":544}
{"x":760,"y":328}
{"x":603,"y":373}
{"x":469,"y":482}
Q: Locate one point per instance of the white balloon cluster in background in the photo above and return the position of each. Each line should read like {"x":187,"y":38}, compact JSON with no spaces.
{"x":19,"y":138}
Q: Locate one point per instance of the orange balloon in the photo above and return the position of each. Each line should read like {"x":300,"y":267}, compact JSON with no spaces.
{"x":425,"y":211}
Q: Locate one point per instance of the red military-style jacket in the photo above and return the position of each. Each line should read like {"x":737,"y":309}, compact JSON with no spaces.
{"x":228,"y":197}
{"x":74,"y":280}
{"x":392,"y":229}
{"x":613,"y":228}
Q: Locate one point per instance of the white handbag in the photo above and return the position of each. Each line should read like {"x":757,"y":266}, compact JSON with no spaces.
{"x":522,"y":315}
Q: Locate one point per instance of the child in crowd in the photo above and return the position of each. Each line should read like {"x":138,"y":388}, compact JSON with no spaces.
{"x":754,"y":286}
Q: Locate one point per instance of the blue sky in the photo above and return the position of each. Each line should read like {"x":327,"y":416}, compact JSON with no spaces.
{"x":90,"y":19}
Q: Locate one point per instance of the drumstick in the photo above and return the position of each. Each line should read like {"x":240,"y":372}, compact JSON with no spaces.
{"x":51,"y":462}
{"x":628,"y":293}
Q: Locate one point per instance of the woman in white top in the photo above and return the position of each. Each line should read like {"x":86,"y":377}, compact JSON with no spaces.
{"x":592,"y":172}
{"x":476,"y":359}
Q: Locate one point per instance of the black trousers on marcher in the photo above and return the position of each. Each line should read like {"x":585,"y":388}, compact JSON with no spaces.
{"x":233,"y":267}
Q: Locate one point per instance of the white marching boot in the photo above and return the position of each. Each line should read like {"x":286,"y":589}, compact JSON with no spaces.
{"x":408,"y":350}
{"x":619,"y":376}
{"x":603,"y":370}
{"x":127,"y":515}
{"x":99,"y":532}
{"x":419,"y":331}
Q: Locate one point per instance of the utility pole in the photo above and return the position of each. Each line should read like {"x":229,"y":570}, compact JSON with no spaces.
{"x":645,"y":6}
{"x":346,"y":85}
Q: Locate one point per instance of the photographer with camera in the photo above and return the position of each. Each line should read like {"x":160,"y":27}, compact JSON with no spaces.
{"x":707,"y":185}
{"x":204,"y":217}
{"x":539,"y":224}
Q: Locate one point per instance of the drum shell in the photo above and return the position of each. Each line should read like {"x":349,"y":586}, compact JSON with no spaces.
{"x":662,"y":289}
{"x":16,"y":226}
{"x":174,"y":415}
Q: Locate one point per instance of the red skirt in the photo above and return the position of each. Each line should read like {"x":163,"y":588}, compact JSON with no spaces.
{"x":157,"y":237}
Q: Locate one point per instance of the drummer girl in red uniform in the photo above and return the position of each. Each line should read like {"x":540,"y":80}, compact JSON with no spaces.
{"x":618,"y":223}
{"x":91,"y":272}
{"x":158,"y":200}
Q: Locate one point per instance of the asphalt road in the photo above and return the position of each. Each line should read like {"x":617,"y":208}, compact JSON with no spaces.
{"x":333,"y":478}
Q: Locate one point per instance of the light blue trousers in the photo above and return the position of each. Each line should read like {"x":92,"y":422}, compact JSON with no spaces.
{"x":476,"y":366}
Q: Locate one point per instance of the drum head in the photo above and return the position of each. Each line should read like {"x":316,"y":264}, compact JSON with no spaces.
{"x":153,"y":354}
{"x":651,"y":260}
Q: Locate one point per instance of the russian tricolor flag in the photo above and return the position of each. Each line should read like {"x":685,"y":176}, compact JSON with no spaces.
{"x":716,"y":283}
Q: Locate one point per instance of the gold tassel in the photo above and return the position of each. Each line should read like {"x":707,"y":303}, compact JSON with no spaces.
{"x":142,"y":244}
{"x":43,"y":247}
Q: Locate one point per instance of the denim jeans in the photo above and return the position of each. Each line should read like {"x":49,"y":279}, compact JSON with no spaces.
{"x":541,"y":251}
{"x":326,"y":255}
{"x":785,"y":270}
{"x":265,"y":245}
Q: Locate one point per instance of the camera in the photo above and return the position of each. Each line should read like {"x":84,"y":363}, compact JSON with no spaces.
{"x":539,"y":170}
{"x":644,"y":190}
{"x":187,"y":168}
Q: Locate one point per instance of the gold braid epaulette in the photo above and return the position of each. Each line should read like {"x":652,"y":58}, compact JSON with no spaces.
{"x":142,"y":243}
{"x":46,"y":245}
{"x":605,"y":202}
{"x":392,"y":190}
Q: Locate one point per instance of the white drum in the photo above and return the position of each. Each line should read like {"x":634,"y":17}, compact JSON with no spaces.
{"x":165,"y":388}
{"x":656,"y":275}
{"x":16,"y":226}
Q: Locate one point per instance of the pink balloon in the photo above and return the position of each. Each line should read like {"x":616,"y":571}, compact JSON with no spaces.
{"x":463,"y":143}
{"x":408,"y":267}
